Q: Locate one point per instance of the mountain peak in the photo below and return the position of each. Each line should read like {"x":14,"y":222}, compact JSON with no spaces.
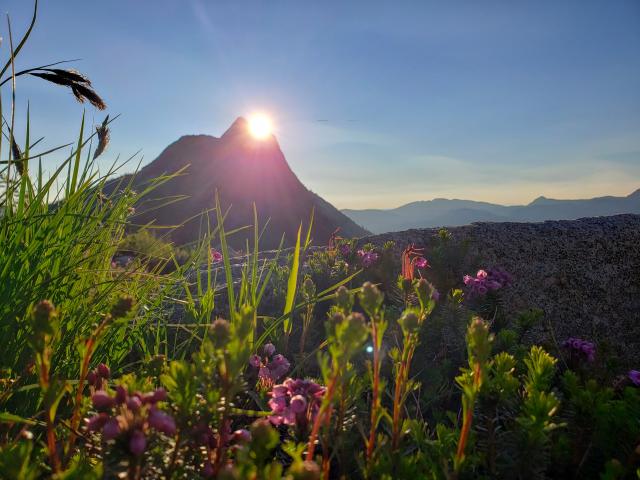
{"x":239,"y":126}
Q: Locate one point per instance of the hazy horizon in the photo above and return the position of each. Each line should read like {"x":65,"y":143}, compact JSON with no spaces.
{"x":374,"y":105}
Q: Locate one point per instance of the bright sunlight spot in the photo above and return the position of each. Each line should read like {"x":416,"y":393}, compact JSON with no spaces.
{"x":260,"y":126}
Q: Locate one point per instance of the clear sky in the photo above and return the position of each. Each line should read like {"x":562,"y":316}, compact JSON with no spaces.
{"x":375,"y":104}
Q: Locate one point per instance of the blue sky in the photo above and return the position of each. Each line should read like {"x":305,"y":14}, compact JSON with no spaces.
{"x":500,"y":101}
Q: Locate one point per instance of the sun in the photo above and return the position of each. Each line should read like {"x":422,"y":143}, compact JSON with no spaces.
{"x":260,"y":126}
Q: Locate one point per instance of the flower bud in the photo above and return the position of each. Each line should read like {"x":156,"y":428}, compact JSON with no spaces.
{"x":423,"y":291}
{"x":134,"y":404}
{"x":409,"y":322}
{"x":162,"y":422}
{"x":221,"y":331}
{"x":96,"y":422}
{"x":479,"y":341}
{"x":103,"y":371}
{"x":371,"y":298}
{"x":263,"y":433}
{"x":308,"y":288}
{"x":269,"y":349}
{"x":111,"y":429}
{"x":356,"y":330}
{"x":344,"y":299}
{"x":121,"y":395}
{"x":305,"y":470}
{"x":137,"y":443}
{"x":160,"y":395}
{"x":92,"y":378}
{"x":122,"y":307}
{"x":102,"y":400}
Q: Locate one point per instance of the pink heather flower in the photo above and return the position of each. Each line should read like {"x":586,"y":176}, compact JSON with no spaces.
{"x":367,"y":258}
{"x":486,"y":281}
{"x":295,"y":402}
{"x":134,"y":404}
{"x":102,"y":401}
{"x":96,"y":422}
{"x":580,"y":348}
{"x":634,"y":376}
{"x":92,"y":378}
{"x":298,"y":404}
{"x":162,"y":422}
{"x":270,"y":367}
{"x":160,"y":395}
{"x":421,"y":262}
{"x":269,"y":349}
{"x":255,"y":361}
{"x":121,"y":394}
{"x":111,"y":429}
{"x":103,"y":371}
{"x":137,"y":443}
{"x":216,"y":256}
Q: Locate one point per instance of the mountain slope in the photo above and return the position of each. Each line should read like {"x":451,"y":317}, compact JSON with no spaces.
{"x":443,"y":212}
{"x":244,"y":170}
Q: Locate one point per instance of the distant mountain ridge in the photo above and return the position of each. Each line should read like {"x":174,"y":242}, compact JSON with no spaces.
{"x":443,"y":212}
{"x":243,"y":170}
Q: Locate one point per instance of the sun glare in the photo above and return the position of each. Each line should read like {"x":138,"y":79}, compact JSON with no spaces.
{"x":260,"y":126}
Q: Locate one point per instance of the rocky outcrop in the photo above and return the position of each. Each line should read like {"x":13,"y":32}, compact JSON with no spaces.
{"x":584,"y":274}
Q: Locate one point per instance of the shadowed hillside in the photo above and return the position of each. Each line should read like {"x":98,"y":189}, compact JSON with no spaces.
{"x":244,"y":170}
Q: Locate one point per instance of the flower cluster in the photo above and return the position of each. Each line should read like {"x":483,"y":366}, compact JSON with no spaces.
{"x":634,"y":376}
{"x":368,"y":257}
{"x":486,"y":281}
{"x":98,"y":376}
{"x":580,"y":348}
{"x":271,"y":366}
{"x":345,"y":250}
{"x":295,"y":402}
{"x":130,"y":417}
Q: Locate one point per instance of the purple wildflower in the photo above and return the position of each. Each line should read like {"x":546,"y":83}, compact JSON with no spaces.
{"x":216,"y":256}
{"x":295,"y":402}
{"x":435,"y":295}
{"x":255,"y":361}
{"x":111,"y":429}
{"x":345,"y":250}
{"x":580,"y":348}
{"x":368,"y":258}
{"x":137,"y":443}
{"x":271,"y":367}
{"x":96,"y":422}
{"x":162,"y":422}
{"x":269,"y":349}
{"x":421,"y":262}
{"x":102,"y":401}
{"x":634,"y":376}
{"x":486,"y":281}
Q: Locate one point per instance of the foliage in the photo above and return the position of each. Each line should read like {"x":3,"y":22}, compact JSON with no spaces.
{"x":174,"y":367}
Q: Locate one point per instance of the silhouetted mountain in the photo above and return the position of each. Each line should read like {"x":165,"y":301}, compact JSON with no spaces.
{"x":443,"y":212}
{"x":244,"y":170}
